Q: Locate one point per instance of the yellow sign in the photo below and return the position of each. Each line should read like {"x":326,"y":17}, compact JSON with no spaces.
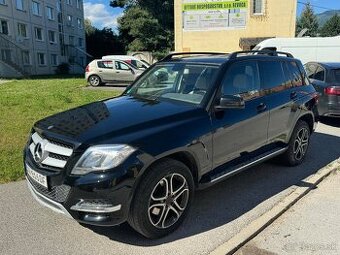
{"x":207,"y":6}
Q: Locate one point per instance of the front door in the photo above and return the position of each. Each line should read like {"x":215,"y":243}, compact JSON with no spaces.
{"x":123,"y":72}
{"x":236,"y":131}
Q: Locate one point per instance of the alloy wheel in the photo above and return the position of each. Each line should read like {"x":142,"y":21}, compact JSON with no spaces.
{"x":301,"y":143}
{"x":168,"y":200}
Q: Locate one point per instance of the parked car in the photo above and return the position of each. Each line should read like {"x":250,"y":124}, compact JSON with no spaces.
{"x":131,"y":60}
{"x":305,"y":48}
{"x":326,"y":80}
{"x":188,"y":122}
{"x":99,"y":71}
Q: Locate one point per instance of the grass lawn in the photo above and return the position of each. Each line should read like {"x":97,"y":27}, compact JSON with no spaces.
{"x":23,"y":102}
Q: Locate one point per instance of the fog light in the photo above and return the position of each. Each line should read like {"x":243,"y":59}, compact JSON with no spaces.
{"x":95,"y":206}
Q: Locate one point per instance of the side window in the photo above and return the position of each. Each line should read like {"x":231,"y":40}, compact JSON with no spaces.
{"x":294,"y":74}
{"x":242,"y":79}
{"x":273,"y":78}
{"x":320,"y":74}
{"x":121,"y":66}
{"x":105,"y":64}
{"x":310,"y":70}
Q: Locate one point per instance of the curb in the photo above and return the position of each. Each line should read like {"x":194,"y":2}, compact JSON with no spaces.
{"x":258,"y":225}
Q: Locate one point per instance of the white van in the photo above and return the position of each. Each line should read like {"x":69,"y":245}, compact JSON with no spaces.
{"x":128,"y":59}
{"x":318,"y":49}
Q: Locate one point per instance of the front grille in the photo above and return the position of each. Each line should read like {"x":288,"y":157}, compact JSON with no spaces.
{"x":57,"y":193}
{"x":50,"y":153}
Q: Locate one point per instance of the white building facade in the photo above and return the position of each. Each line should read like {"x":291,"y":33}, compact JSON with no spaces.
{"x":38,"y":35}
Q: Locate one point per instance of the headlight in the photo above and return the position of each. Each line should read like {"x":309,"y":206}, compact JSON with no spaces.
{"x":102,"y":157}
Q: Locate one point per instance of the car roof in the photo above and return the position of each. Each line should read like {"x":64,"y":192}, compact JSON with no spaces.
{"x":328,"y":65}
{"x":220,"y":59}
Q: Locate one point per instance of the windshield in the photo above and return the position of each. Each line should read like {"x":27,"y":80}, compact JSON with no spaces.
{"x":182,"y":82}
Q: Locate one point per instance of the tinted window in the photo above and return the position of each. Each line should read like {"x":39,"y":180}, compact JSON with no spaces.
{"x":335,"y":74}
{"x":242,"y":79}
{"x":105,"y":64}
{"x":273,"y":78}
{"x":294,"y":74}
{"x":320,"y":74}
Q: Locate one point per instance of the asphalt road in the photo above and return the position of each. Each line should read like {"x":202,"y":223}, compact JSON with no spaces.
{"x":217,"y":214}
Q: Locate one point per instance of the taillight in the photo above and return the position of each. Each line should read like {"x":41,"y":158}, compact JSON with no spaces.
{"x":87,"y":69}
{"x":335,"y":90}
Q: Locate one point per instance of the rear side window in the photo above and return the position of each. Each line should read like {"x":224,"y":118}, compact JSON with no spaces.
{"x":242,"y":78}
{"x":320,"y":74}
{"x":273,"y":78}
{"x":105,"y":64}
{"x":294,"y":74}
{"x":335,"y":76}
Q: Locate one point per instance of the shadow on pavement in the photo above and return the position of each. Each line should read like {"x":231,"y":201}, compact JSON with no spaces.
{"x":334,"y":122}
{"x":238,"y":195}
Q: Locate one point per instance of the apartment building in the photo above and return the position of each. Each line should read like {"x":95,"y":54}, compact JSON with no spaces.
{"x":225,"y":26}
{"x":38,"y":35}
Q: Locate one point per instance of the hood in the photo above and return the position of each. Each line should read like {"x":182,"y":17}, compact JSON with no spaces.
{"x":121,"y":120}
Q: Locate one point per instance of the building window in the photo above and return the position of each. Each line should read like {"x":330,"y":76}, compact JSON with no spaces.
{"x":71,"y":40}
{"x":69,"y":2}
{"x":6,"y":55}
{"x":20,"y":5}
{"x":38,"y":33}
{"x":50,"y":13}
{"x":79,"y":4}
{"x":80,"y":42}
{"x":22,"y":30}
{"x":69,"y":20}
{"x":41,"y":59}
{"x":4,"y":27}
{"x":3,"y":2}
{"x":79,"y":23}
{"x":258,"y":7}
{"x":51,"y":36}
{"x":54,"y":59}
{"x":59,"y":6}
{"x":36,"y":8}
{"x":26,"y":59}
{"x":81,"y":59}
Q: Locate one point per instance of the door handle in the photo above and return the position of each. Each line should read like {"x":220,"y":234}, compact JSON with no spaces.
{"x":293,"y":95}
{"x":261,"y":108}
{"x":117,"y":72}
{"x":100,"y":71}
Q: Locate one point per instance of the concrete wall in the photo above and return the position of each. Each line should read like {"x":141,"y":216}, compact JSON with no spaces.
{"x":278,"y":20}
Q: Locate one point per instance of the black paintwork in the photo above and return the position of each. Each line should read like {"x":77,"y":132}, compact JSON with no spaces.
{"x":329,"y":105}
{"x":204,"y":138}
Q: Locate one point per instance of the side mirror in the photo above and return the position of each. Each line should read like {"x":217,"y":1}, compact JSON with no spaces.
{"x":230,"y":102}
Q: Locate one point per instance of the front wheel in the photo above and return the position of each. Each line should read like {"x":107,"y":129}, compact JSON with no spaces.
{"x":298,"y":145}
{"x":162,"y":199}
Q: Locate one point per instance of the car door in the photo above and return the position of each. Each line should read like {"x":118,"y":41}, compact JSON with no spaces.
{"x":105,"y":70}
{"x":236,"y":131}
{"x":123,"y":72}
{"x":280,"y":81}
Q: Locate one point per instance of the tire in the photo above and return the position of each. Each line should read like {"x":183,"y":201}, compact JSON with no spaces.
{"x":95,"y":80}
{"x":298,"y":145}
{"x":154,"y":213}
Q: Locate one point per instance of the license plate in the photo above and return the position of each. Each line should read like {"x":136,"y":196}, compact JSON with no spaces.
{"x":39,"y":178}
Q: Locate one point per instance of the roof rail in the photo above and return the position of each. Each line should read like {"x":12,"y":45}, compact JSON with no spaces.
{"x":169,"y":57}
{"x":264,"y":52}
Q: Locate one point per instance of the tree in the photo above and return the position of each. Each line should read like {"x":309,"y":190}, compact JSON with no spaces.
{"x":147,"y":25}
{"x":89,"y":29}
{"x":331,"y":27}
{"x":308,"y":20}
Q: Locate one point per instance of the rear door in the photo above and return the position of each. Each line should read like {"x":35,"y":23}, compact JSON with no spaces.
{"x":236,"y":131}
{"x":280,"y":81}
{"x":105,"y":70}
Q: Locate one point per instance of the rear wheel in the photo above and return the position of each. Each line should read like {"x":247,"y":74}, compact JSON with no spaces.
{"x":162,"y":199}
{"x":298,"y":145}
{"x":94,"y":80}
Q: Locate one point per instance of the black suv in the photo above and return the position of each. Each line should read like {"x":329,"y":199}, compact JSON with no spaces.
{"x":189,"y":121}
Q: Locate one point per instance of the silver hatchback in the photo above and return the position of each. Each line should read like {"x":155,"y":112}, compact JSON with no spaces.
{"x":101,"y":71}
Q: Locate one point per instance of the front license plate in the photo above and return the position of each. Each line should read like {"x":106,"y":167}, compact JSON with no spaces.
{"x":39,"y":178}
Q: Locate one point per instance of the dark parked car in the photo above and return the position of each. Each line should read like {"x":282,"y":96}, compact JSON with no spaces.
{"x":190,"y":121}
{"x":326,"y":80}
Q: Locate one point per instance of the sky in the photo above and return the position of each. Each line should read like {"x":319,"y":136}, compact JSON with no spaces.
{"x":102,"y":15}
